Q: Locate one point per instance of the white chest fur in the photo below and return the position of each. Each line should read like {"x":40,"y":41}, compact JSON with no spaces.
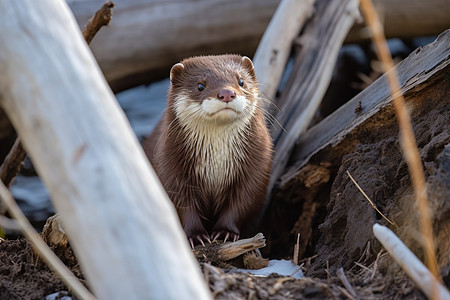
{"x":217,"y":142}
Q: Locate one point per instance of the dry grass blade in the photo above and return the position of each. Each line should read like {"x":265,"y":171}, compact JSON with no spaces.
{"x":408,"y":142}
{"x":368,"y":199}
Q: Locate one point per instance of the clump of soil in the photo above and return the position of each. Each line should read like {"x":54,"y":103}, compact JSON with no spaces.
{"x":24,"y":276}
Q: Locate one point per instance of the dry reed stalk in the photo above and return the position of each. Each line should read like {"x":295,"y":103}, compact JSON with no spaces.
{"x":408,"y":142}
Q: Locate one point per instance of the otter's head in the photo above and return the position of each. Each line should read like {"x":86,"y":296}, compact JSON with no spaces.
{"x":217,"y":90}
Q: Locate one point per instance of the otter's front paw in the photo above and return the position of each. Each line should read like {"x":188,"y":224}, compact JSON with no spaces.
{"x":198,"y":238}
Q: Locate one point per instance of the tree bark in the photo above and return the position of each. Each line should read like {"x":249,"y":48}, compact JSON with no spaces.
{"x":147,"y":37}
{"x":118,"y":218}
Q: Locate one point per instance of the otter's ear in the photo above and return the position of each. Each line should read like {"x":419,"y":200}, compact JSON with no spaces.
{"x":176,"y":72}
{"x":247,"y":63}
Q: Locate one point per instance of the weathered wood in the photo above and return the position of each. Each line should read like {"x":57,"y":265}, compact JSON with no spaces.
{"x":275,"y":46}
{"x":230,"y":250}
{"x":413,"y":71}
{"x":114,"y":210}
{"x":53,"y":234}
{"x":147,"y":37}
{"x":320,"y":43}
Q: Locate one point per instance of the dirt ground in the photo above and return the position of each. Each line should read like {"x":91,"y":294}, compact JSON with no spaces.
{"x":23,"y":276}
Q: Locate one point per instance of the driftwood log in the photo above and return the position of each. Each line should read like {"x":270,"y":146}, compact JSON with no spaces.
{"x":314,"y":63}
{"x":362,"y":137}
{"x":275,"y":46}
{"x":117,"y":216}
{"x":147,"y":37}
{"x":229,"y":250}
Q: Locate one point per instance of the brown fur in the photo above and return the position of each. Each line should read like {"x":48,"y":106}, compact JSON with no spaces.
{"x":212,"y":210}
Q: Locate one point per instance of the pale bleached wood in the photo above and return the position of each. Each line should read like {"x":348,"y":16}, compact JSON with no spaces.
{"x":118,"y":218}
{"x":415,"y":70}
{"x":415,"y":269}
{"x":146,"y":37}
{"x":320,"y":44}
{"x":275,"y":46}
{"x":230,"y":250}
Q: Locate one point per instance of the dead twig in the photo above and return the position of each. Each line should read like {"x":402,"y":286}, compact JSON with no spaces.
{"x":13,"y":163}
{"x":296,"y":249}
{"x":298,"y":269}
{"x":408,"y":142}
{"x":375,"y":264}
{"x":101,"y":18}
{"x":346,"y":293}
{"x":370,"y":201}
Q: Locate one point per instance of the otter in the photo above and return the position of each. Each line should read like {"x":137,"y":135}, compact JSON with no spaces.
{"x":211,"y":149}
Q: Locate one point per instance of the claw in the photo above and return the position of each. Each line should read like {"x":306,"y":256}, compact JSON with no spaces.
{"x":216,"y":236}
{"x":200,"y":240}
{"x":226,"y":237}
{"x":192,"y":243}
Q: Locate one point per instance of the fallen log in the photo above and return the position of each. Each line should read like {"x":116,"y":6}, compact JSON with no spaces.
{"x":147,"y":37}
{"x":275,"y":47}
{"x":407,"y":19}
{"x":314,"y":63}
{"x":119,"y":220}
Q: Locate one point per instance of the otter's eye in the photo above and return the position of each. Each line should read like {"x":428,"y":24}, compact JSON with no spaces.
{"x":241,"y":82}
{"x":201,"y":87}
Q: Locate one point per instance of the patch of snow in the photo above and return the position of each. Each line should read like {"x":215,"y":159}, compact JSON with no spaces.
{"x":280,"y":267}
{"x":63,"y":295}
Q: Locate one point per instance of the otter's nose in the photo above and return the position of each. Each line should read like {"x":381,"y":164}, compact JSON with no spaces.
{"x":226,"y":95}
